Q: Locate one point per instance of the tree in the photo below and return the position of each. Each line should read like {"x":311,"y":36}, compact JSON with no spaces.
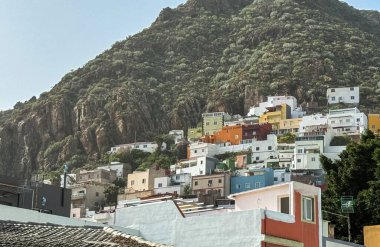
{"x":287,"y":138}
{"x":356,"y":174}
{"x":111,"y":193}
{"x":187,"y":190}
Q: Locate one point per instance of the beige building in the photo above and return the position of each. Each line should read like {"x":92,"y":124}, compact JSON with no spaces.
{"x":99,"y":176}
{"x":215,"y":182}
{"x":289,"y":125}
{"x":144,"y":180}
{"x":86,"y":196}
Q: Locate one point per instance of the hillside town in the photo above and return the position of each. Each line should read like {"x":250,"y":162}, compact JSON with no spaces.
{"x":262,"y":171}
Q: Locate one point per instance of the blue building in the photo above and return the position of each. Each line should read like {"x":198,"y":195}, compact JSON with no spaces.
{"x":251,"y":179}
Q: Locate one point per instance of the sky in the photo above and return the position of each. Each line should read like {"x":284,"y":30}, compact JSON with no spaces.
{"x":42,"y":40}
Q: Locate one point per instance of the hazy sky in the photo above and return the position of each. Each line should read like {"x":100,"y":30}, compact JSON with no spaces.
{"x":42,"y":40}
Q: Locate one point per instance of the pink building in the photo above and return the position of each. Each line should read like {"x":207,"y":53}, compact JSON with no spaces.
{"x":300,"y":205}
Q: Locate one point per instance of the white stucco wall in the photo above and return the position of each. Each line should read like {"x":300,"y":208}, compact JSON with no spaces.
{"x":217,"y":230}
{"x":155,"y":221}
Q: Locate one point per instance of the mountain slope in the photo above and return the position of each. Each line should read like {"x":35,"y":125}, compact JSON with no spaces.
{"x":205,"y":55}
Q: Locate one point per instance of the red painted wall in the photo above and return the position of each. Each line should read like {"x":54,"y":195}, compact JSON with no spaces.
{"x":307,"y":233}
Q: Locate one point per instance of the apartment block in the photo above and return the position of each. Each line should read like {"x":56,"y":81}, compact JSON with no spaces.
{"x":347,"y":95}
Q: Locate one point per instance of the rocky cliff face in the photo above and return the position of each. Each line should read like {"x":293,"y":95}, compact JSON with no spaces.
{"x":205,"y":55}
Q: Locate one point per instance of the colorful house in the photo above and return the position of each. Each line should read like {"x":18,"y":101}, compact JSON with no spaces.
{"x":299,"y":203}
{"x":238,"y":134}
{"x":289,"y":125}
{"x":213,"y":122}
{"x":275,"y":114}
{"x":194,"y":133}
{"x":251,"y":179}
{"x":374,"y":123}
{"x":219,"y":182}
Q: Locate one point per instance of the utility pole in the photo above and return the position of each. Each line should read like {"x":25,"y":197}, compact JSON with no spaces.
{"x":65,"y":168}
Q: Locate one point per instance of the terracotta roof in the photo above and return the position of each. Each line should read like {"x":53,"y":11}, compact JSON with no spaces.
{"x":33,"y":234}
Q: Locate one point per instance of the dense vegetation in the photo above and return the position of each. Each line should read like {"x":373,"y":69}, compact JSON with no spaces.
{"x":357,"y":174}
{"x":205,"y":55}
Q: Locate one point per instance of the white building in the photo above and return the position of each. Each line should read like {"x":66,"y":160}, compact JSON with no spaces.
{"x":296,"y":111}
{"x":285,"y":154}
{"x":115,"y":166}
{"x":195,"y":166}
{"x":264,"y":150}
{"x":348,"y":95}
{"x":307,"y":152}
{"x":174,"y":184}
{"x":149,"y":147}
{"x":177,"y":134}
{"x":281,"y":176}
{"x":314,"y":124}
{"x":347,"y":121}
{"x":201,"y":149}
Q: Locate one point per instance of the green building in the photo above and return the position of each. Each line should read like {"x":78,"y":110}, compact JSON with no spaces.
{"x":213,"y":122}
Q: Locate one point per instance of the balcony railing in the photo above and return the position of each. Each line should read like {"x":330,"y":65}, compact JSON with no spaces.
{"x":78,"y":196}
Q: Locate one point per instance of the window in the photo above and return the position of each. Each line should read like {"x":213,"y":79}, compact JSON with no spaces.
{"x":332,"y":98}
{"x":332,"y":122}
{"x":207,"y":123}
{"x":275,"y":179}
{"x":201,"y":172}
{"x":209,"y":181}
{"x":282,"y":179}
{"x":203,"y":150}
{"x":215,"y":122}
{"x":340,"y":98}
{"x":220,"y":180}
{"x":307,"y":208}
{"x":299,"y":160}
{"x":358,"y":120}
{"x":74,"y":215}
{"x":257,"y":185}
{"x":313,"y":159}
{"x":195,"y":151}
{"x":299,"y":151}
{"x":333,"y":90}
{"x":97,"y":194}
{"x":373,"y":126}
{"x":257,"y":148}
{"x":143,"y":180}
{"x":238,"y":186}
{"x":269,"y":147}
{"x":145,"y":146}
{"x":352,"y":97}
{"x":137,"y":146}
{"x":284,"y":205}
{"x":201,"y":162}
{"x":196,"y":183}
{"x":159,"y":185}
{"x":352,"y":89}
{"x":247,"y":185}
{"x":257,"y":158}
{"x":132,"y":182}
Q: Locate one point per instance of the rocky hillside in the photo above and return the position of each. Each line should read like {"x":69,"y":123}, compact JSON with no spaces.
{"x":205,"y":55}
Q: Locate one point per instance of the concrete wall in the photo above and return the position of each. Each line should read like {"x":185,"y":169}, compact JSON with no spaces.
{"x":163,"y":223}
{"x":26,"y":215}
{"x":217,"y":230}
{"x":156,"y":221}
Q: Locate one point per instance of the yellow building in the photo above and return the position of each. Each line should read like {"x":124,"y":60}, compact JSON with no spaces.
{"x":289,"y":125}
{"x":213,"y":122}
{"x":371,"y":236}
{"x":194,"y":133}
{"x":143,"y":180}
{"x":374,"y":123}
{"x":275,"y":114}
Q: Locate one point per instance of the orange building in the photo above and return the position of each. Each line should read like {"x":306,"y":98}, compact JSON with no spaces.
{"x":232,"y":134}
{"x":374,"y":123}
